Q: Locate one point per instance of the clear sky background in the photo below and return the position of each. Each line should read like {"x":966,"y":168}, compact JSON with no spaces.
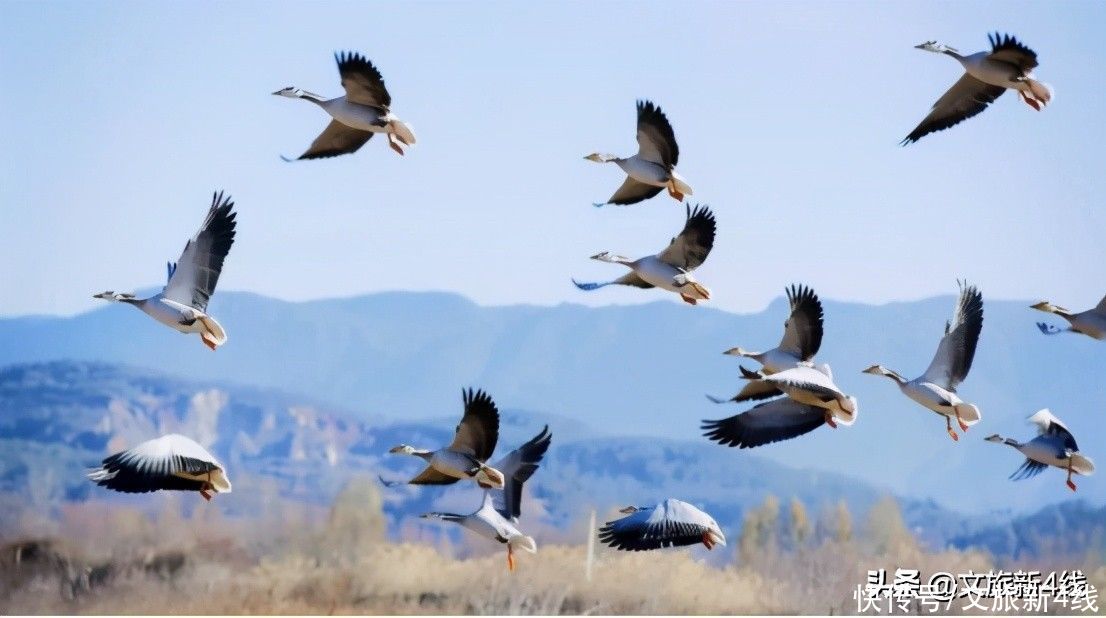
{"x":120,"y":119}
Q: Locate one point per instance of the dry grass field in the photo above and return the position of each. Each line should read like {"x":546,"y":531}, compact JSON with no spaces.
{"x":94,"y":558}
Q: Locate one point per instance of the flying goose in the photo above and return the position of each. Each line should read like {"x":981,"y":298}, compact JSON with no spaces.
{"x":497,"y":517}
{"x":473,"y":443}
{"x":654,"y":166}
{"x":672,"y":523}
{"x":182,"y":304}
{"x":987,"y":75}
{"x":936,"y":388}
{"x":172,"y":462}
{"x":1091,"y":322}
{"x":365,"y":109}
{"x":806,"y":384}
{"x":802,"y":336}
{"x":1053,"y":446}
{"x":670,"y":269}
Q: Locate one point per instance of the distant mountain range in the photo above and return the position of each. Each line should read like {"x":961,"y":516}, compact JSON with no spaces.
{"x":57,"y":419}
{"x":631,"y":371}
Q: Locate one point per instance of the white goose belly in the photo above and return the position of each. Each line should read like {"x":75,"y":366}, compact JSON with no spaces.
{"x":1044,"y":451}
{"x":357,"y":116}
{"x":452,"y":463}
{"x":644,"y":171}
{"x":931,"y":396}
{"x":657,"y":273}
{"x":171,"y":314}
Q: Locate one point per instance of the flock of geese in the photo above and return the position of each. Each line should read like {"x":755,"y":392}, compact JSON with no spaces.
{"x":796,"y":394}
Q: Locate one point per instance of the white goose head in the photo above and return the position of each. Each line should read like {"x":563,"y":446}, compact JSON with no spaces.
{"x":935,"y":47}
{"x":601,"y":158}
{"x":291,"y":92}
{"x":117,"y":297}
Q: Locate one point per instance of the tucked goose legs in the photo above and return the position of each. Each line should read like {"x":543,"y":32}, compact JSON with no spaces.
{"x":960,"y":421}
{"x":948,"y":427}
{"x":707,"y":542}
{"x":674,"y":192}
{"x":510,"y":558}
{"x":393,"y":142}
{"x":1071,"y":485}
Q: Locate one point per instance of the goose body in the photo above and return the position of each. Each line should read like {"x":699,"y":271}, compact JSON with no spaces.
{"x":672,"y":268}
{"x":802,"y":337}
{"x":182,"y":304}
{"x":811,"y":385}
{"x":465,"y":458}
{"x":364,"y":110}
{"x":987,"y":74}
{"x":1091,"y":322}
{"x":171,"y":462}
{"x":498,"y":516}
{"x":653,"y":168}
{"x":1053,"y":446}
{"x":671,"y":523}
{"x":936,"y":388}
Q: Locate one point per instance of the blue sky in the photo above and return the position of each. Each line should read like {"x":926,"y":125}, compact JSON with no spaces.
{"x":121,"y":118}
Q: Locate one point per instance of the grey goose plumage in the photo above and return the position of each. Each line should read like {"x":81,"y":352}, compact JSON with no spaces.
{"x":364,"y":110}
{"x":671,"y":269}
{"x":936,"y":389}
{"x":172,"y":462}
{"x":653,"y":168}
{"x":801,"y":340}
{"x":671,"y":523}
{"x":182,"y":303}
{"x":473,"y":443}
{"x":498,"y":516}
{"x":1009,"y":65}
{"x":1054,"y":445}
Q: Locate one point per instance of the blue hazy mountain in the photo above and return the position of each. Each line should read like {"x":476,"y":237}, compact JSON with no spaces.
{"x":633,"y":371}
{"x":59,"y":419}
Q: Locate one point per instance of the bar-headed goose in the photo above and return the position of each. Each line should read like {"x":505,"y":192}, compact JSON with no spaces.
{"x":172,"y":462}
{"x":497,"y":517}
{"x":1091,"y":322}
{"x":670,"y":269}
{"x":466,"y":457}
{"x":802,"y":337}
{"x":1053,"y":446}
{"x":654,"y":166}
{"x":672,"y":523}
{"x":365,"y":109}
{"x":936,"y":388}
{"x":811,"y":385}
{"x":182,"y":304}
{"x":1009,"y":65}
